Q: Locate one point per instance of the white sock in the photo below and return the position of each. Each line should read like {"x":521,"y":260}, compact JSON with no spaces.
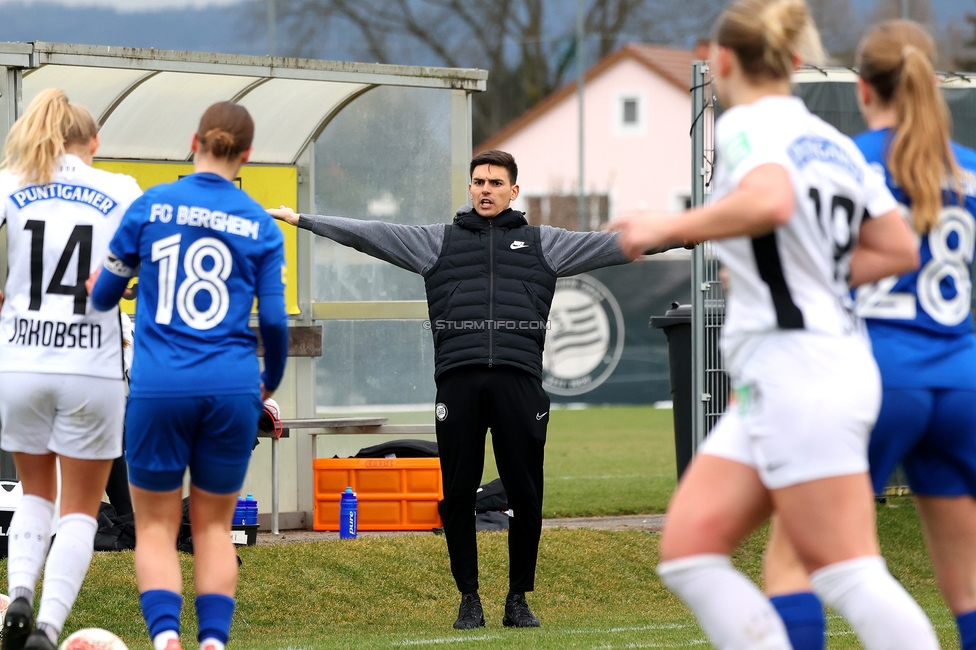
{"x":731,"y":610}
{"x":211,"y":643}
{"x":27,"y":543}
{"x":66,"y":567}
{"x":162,"y":639}
{"x":883,"y":615}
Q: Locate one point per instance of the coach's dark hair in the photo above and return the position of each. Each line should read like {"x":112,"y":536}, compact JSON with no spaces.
{"x":226,"y":130}
{"x":496,"y":157}
{"x":766,"y":34}
{"x":895,"y":59}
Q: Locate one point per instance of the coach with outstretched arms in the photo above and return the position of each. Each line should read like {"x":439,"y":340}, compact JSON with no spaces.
{"x":490,"y":279}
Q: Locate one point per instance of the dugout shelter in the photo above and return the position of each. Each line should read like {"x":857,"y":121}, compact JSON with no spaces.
{"x":828,"y":92}
{"x":361,"y":140}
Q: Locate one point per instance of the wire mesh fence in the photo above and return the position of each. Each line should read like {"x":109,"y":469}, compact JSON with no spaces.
{"x":710,"y":383}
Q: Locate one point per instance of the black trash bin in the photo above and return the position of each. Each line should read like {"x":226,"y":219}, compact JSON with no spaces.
{"x":676,"y":324}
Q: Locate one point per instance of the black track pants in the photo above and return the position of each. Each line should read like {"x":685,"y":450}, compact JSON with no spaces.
{"x":512,"y":403}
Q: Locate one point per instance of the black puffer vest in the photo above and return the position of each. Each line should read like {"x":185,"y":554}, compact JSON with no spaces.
{"x":489,"y":294}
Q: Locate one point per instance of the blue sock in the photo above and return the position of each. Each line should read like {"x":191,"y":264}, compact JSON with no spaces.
{"x":803,"y":616}
{"x":215,"y":613}
{"x":967,"y":630}
{"x":161,"y":609}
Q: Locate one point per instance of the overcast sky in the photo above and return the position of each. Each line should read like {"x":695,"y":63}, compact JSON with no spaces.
{"x":129,"y":5}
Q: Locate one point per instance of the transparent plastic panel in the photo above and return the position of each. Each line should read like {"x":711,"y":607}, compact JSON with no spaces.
{"x":157,"y":120}
{"x":288,"y":112}
{"x":370,"y":363}
{"x":385,"y":156}
{"x":94,"y":88}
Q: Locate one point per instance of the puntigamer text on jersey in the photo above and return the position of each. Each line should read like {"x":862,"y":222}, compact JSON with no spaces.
{"x":807,"y":148}
{"x":65,"y":192}
{"x":56,"y":334}
{"x":204,"y":218}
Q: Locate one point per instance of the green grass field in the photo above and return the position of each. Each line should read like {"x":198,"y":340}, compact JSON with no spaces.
{"x":595,"y":589}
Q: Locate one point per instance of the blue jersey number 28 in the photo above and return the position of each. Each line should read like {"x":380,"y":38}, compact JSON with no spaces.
{"x":953,"y":263}
{"x":166,"y":251}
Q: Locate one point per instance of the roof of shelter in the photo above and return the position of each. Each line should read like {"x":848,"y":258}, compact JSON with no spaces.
{"x":672,"y":64}
{"x":838,"y":74}
{"x":148,"y":101}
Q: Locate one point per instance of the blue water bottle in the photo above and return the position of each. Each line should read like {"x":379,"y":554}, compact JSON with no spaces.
{"x":348,"y":515}
{"x":251,"y":506}
{"x":240,"y":513}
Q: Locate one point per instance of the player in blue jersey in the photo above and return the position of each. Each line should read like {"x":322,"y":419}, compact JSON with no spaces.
{"x":204,"y":251}
{"x":920,"y":323}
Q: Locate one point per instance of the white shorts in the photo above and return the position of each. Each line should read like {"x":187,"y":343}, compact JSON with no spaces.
{"x":71,"y":415}
{"x":804,"y":409}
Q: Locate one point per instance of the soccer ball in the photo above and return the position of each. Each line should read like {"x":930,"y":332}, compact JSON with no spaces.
{"x":93,"y":638}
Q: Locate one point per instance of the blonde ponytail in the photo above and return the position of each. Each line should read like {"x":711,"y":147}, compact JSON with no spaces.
{"x":766,"y":35}
{"x":895,"y":60}
{"x":40,"y":136}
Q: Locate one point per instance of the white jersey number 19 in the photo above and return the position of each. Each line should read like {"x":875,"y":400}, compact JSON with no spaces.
{"x":838,"y":226}
{"x":198,"y":278}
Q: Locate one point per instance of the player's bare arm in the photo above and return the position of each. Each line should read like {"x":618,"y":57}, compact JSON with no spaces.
{"x":763,"y":201}
{"x":886,"y":246}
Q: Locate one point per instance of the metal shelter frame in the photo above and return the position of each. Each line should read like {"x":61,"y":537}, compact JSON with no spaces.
{"x":147,"y":103}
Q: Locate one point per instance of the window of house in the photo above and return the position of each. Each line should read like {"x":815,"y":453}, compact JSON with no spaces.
{"x":680,"y":200}
{"x":629,"y":112}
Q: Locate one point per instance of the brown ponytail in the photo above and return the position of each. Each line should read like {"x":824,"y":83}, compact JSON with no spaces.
{"x":895,"y":59}
{"x":766,"y":34}
{"x":40,"y":136}
{"x":226,"y":130}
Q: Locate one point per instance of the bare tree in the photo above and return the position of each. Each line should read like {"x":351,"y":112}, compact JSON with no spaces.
{"x":839,"y":28}
{"x":918,"y":10}
{"x":528,"y":46}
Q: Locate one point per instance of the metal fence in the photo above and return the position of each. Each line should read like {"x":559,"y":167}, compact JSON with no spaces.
{"x":709,"y":382}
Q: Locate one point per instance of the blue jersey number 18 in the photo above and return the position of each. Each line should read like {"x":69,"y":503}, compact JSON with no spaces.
{"x":166,"y":251}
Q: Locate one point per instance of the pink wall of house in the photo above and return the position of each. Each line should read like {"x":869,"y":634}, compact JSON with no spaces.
{"x":640,"y":166}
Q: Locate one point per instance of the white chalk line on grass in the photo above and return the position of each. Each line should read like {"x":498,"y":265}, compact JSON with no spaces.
{"x":635,"y":628}
{"x":441,"y":641}
{"x":651,"y":645}
{"x":612,"y":630}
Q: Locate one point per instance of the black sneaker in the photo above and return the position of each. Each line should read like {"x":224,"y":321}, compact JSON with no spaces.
{"x":18,"y":623}
{"x":470,"y":613}
{"x":517,"y":612}
{"x":38,"y":641}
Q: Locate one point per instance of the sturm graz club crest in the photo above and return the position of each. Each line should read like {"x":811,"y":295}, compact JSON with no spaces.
{"x":585,"y":337}
{"x":440,"y":412}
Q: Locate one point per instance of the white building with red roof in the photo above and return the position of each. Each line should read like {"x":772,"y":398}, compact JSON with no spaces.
{"x":637,"y":147}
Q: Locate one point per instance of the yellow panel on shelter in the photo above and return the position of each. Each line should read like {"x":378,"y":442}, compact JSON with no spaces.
{"x":269,"y":185}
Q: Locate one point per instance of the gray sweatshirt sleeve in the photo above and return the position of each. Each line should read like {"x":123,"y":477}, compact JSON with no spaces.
{"x":414,"y":248}
{"x":569,"y":253}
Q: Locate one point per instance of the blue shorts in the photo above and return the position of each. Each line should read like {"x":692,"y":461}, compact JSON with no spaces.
{"x":932,"y":433}
{"x":213,"y":436}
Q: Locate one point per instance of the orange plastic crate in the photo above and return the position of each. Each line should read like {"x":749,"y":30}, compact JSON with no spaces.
{"x":393,"y":493}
